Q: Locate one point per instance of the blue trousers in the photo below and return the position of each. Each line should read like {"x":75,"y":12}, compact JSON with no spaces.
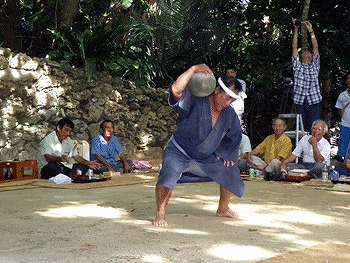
{"x":344,"y":139}
{"x":342,"y":170}
{"x":309,"y":113}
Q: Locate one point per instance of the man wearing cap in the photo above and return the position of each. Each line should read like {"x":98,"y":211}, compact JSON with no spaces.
{"x":205,"y":145}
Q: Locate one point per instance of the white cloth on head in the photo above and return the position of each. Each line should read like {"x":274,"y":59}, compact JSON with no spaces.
{"x":227,"y":90}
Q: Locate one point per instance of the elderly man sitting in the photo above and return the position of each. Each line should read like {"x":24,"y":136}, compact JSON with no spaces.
{"x":275,"y":148}
{"x":314,"y":149}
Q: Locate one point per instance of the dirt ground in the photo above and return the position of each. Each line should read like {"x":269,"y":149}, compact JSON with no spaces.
{"x":278,"y":222}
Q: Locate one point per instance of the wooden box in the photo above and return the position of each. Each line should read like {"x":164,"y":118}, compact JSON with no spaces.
{"x":21,"y":170}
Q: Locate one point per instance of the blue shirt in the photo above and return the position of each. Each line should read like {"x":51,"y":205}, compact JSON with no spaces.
{"x":190,"y":155}
{"x":107,"y":150}
{"x":195,"y":133}
{"x":306,"y":83}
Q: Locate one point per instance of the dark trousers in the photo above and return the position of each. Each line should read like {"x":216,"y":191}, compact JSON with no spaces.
{"x":342,"y":170}
{"x":315,"y":169}
{"x":53,"y":169}
{"x":119,"y":167}
{"x":309,"y":113}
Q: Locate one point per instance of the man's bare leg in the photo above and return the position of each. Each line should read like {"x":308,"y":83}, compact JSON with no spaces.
{"x":223,"y":209}
{"x":162,"y":197}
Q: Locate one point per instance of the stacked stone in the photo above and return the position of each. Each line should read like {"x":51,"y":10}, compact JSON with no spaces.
{"x":35,"y":93}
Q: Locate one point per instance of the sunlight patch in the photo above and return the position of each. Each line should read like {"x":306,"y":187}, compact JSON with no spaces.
{"x":179,"y":230}
{"x":343,"y":207}
{"x":233,"y":252}
{"x":274,"y":216}
{"x":287,"y":236}
{"x":152,"y":258}
{"x":143,"y":176}
{"x":84,"y":210}
{"x":190,"y":232}
{"x":207,"y":198}
{"x":186,"y":199}
{"x":305,"y":243}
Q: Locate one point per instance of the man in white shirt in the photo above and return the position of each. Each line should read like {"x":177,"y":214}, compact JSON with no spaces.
{"x":314,"y":149}
{"x":55,"y":151}
{"x":244,"y":149}
{"x":343,"y":106}
{"x":238,"y":104}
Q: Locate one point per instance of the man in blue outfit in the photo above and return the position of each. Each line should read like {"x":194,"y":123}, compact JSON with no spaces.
{"x":205,"y":145}
{"x":105,"y":147}
{"x":344,"y":168}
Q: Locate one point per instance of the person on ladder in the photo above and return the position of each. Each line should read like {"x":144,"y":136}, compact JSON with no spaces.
{"x":307,"y":96}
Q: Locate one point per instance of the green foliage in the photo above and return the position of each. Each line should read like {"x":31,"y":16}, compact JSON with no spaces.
{"x":85,"y":48}
{"x":95,"y":44}
{"x":183,"y":33}
{"x":152,"y":45}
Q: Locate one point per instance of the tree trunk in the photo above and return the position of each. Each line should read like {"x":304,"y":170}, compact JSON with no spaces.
{"x":327,"y":107}
{"x":10,"y":25}
{"x":305,"y":17}
{"x":65,"y":13}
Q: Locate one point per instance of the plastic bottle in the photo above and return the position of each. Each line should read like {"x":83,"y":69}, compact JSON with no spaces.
{"x":283,"y":174}
{"x":334,"y":175}
{"x":325,"y":173}
{"x":251,"y":173}
{"x":89,"y":174}
{"x":8,"y":172}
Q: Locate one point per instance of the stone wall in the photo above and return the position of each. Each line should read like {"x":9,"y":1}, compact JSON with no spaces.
{"x":36,"y":93}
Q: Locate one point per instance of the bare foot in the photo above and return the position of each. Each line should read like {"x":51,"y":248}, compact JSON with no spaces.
{"x":227,"y":213}
{"x":160,"y":220}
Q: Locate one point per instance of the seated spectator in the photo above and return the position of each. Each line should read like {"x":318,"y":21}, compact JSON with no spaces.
{"x":314,"y":149}
{"x":105,"y":147}
{"x":343,"y":106}
{"x":275,"y":148}
{"x":344,"y":169}
{"x":56,"y":149}
{"x":244,"y":149}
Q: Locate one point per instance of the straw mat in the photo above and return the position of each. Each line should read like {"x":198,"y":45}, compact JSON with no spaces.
{"x":124,"y":179}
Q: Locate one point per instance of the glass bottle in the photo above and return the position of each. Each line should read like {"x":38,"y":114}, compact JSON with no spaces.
{"x":325,"y":173}
{"x":334,"y":175}
{"x":8,"y":172}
